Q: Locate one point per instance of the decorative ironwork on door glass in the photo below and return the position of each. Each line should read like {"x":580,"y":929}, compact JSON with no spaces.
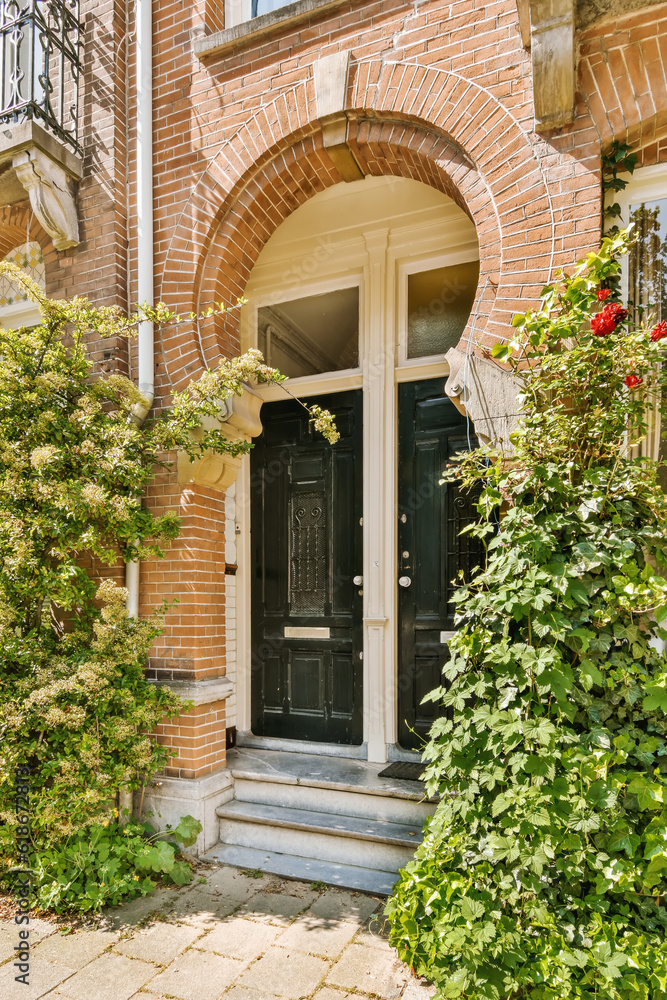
{"x":40,"y":64}
{"x":466,"y":552}
{"x":308,"y":553}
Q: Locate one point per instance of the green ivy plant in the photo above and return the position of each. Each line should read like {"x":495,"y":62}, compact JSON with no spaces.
{"x":75,"y":464}
{"x":543,"y":873}
{"x":108,"y":864}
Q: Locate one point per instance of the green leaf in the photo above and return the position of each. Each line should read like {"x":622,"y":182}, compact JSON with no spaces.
{"x":650,"y":795}
{"x":187,"y":831}
{"x":471,"y":909}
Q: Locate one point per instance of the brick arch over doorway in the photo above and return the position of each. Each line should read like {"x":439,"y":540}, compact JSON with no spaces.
{"x":405,"y":120}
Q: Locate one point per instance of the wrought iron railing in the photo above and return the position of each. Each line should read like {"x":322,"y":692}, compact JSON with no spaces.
{"x":40,"y":63}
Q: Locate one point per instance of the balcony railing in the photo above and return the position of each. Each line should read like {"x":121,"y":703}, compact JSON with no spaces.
{"x":40,"y":63}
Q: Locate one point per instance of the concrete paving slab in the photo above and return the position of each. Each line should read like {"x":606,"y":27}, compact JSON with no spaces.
{"x":233,"y":884}
{"x":242,"y":993}
{"x":418,"y":989}
{"x":75,"y":950}
{"x":8,"y":938}
{"x":327,"y":993}
{"x":371,"y":970}
{"x":335,"y":904}
{"x":43,"y":977}
{"x":317,"y":936}
{"x":197,"y":975}
{"x":275,"y":907}
{"x":110,"y":977}
{"x":140,"y":909}
{"x":160,"y":943}
{"x":287,"y":974}
{"x":374,"y":932}
{"x":201,"y":908}
{"x":239,"y":938}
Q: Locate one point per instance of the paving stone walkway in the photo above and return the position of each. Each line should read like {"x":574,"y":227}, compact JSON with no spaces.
{"x":228,"y":935}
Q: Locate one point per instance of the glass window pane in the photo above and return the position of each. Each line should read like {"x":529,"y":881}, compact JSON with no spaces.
{"x":29,"y":257}
{"x":439,"y":303}
{"x":648,"y":274}
{"x":309,"y":336}
{"x":260,"y":7}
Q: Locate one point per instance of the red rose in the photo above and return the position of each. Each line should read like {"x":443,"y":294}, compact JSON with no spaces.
{"x":659,"y":331}
{"x":606,"y":321}
{"x":603,"y":294}
{"x":633,"y":380}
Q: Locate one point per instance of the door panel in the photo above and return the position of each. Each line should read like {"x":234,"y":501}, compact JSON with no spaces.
{"x":306,"y":548}
{"x":431,"y":551}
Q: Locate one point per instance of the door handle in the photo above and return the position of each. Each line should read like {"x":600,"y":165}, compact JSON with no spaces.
{"x":358,"y":581}
{"x":404,"y":581}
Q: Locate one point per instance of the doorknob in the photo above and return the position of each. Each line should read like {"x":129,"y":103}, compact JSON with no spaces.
{"x":358,"y":581}
{"x":404,"y":581}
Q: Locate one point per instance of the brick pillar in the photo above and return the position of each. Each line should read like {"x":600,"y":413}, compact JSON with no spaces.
{"x":190,"y":655}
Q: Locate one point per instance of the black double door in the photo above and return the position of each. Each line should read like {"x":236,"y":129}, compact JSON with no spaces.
{"x":306,"y":549}
{"x":307,"y":633}
{"x":431,"y":549}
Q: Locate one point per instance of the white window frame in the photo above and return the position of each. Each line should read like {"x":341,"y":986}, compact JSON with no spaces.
{"x":645,"y":184}
{"x":19,"y":314}
{"x":417,"y":265}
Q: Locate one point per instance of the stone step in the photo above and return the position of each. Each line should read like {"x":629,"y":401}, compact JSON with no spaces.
{"x":330,"y":837}
{"x":326,"y":784}
{"x":344,"y":876}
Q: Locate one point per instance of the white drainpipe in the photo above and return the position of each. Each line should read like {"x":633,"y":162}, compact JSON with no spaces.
{"x":145,"y":272}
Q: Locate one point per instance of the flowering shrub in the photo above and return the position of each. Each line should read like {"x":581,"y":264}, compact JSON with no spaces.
{"x":75,"y":707}
{"x":543,"y":872}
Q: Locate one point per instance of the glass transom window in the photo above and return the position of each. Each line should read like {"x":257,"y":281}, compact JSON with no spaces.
{"x":439,"y":304}
{"x":311,"y":335}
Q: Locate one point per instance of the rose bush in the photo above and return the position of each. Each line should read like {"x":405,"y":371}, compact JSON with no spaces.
{"x":543,"y":872}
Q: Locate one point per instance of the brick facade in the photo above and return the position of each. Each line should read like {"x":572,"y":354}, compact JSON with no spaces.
{"x":440,"y":92}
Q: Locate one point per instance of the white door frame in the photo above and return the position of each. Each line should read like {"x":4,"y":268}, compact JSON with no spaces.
{"x":377,"y":255}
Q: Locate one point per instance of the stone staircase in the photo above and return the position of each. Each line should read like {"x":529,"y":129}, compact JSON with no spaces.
{"x":320,"y":818}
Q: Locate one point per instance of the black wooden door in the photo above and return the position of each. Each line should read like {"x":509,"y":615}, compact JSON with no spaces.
{"x":306,"y":550}
{"x":430,"y":548}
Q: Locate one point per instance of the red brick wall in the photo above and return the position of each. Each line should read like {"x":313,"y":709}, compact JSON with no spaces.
{"x":440,"y":92}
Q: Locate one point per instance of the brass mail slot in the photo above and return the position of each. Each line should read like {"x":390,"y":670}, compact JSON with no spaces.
{"x":304,"y":632}
{"x":446,"y":636}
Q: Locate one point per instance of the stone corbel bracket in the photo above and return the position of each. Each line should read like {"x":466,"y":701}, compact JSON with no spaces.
{"x":238,"y":421}
{"x":484,"y":392}
{"x":48,"y":173}
{"x":547,"y":29}
{"x":330,"y":75}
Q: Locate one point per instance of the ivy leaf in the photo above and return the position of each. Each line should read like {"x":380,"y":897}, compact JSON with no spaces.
{"x":656,"y":697}
{"x":656,"y":868}
{"x":649,"y":794}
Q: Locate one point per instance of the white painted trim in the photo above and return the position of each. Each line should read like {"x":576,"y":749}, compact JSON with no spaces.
{"x":243,"y":600}
{"x":646,"y":184}
{"x":20,"y":314}
{"x":351,"y":378}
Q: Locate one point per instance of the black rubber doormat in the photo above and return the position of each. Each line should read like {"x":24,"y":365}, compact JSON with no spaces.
{"x":407,"y":769}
